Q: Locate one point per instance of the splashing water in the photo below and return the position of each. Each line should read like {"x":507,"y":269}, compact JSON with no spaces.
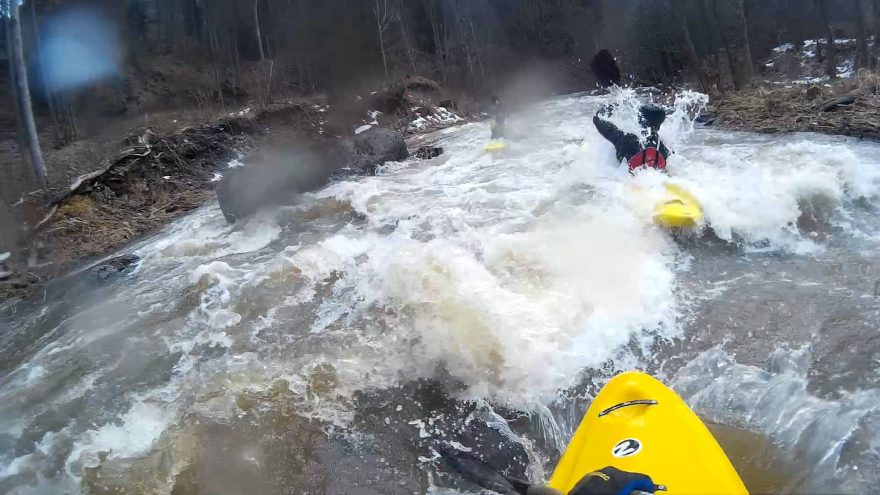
{"x":516,"y":281}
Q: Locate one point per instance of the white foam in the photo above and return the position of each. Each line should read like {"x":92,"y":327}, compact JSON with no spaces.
{"x":134,"y":435}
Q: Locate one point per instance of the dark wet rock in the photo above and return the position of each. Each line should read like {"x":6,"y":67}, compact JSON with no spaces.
{"x":114,"y":267}
{"x":605,"y":68}
{"x":276,"y":177}
{"x":836,"y":103}
{"x":816,"y":216}
{"x":5,"y":271}
{"x":428,"y":152}
{"x":706,"y":118}
{"x":379,"y":145}
{"x":420,"y":418}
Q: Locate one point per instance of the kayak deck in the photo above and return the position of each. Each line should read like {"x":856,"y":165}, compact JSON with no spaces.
{"x":680,"y":210}
{"x":495,"y":145}
{"x":637,"y":424}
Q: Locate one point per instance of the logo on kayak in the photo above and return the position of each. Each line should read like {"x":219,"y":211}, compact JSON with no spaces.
{"x":626,"y":448}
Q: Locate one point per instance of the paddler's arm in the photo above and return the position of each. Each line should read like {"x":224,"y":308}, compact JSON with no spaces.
{"x":664,"y":150}
{"x":611,"y":480}
{"x":626,"y":145}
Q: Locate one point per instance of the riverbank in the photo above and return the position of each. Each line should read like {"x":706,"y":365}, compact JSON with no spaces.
{"x":157,"y":173}
{"x":846,"y":107}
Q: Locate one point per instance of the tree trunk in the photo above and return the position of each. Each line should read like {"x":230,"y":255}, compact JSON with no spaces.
{"x":747,"y":64}
{"x":830,"y":65}
{"x":383,"y":19}
{"x":680,"y":15}
{"x":876,"y":13}
{"x":712,"y":39}
{"x":257,"y":27}
{"x":408,"y":47}
{"x":861,"y":59}
{"x":728,"y":52}
{"x":18,"y":72}
{"x":435,"y":33}
{"x":47,"y":85}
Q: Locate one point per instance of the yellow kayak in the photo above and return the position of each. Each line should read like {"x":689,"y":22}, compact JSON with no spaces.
{"x":637,"y":424}
{"x":680,"y":210}
{"x":495,"y":145}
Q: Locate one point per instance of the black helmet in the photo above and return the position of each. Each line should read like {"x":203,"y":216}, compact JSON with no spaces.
{"x":651,"y":116}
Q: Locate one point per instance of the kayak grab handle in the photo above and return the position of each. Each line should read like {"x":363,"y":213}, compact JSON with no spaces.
{"x":639,"y":402}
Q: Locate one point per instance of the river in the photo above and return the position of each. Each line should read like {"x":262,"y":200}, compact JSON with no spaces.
{"x":476,"y":299}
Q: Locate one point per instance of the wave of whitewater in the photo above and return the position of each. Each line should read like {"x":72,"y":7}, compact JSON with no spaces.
{"x":509,"y":277}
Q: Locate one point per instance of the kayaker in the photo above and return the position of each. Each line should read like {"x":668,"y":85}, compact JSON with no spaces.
{"x":652,"y":153}
{"x":499,"y":125}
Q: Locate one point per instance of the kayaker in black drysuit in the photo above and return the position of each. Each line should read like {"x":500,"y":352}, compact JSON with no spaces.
{"x":652,"y":153}
{"x":499,"y":125}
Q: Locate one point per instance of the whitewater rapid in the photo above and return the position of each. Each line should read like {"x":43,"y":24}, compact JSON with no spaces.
{"x":517,"y":282}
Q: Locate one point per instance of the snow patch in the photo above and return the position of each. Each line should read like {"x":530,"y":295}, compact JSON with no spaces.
{"x":242,"y":113}
{"x":785,"y":47}
{"x":441,"y":117}
{"x":362,"y":129}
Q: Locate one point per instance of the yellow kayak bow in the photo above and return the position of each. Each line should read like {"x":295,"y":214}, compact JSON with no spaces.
{"x":680,"y":210}
{"x":496,"y":145}
{"x":637,"y":424}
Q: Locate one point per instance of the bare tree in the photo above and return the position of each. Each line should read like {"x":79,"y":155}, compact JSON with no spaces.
{"x":748,"y":67}
{"x":861,"y":59}
{"x":384,"y":16}
{"x":830,"y":65}
{"x":409,"y":47}
{"x":725,"y":41}
{"x":876,"y":12}
{"x":257,"y":27}
{"x":679,"y":12}
{"x":44,"y":74}
{"x":28,"y":127}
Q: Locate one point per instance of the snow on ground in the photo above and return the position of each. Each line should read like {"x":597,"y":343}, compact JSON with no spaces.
{"x":441,"y":117}
{"x":811,"y":71}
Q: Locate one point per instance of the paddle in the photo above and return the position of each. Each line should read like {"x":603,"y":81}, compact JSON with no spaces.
{"x":478,"y":471}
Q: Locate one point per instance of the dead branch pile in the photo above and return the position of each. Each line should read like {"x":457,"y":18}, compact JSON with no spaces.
{"x":151,"y":180}
{"x":846,"y":108}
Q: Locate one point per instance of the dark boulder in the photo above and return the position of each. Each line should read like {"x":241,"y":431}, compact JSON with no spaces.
{"x":114,"y":267}
{"x":275,"y":178}
{"x":380,"y":145}
{"x":706,"y":118}
{"x":605,"y":68}
{"x":428,"y":152}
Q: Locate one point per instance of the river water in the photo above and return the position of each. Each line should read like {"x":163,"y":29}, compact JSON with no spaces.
{"x":475,"y":300}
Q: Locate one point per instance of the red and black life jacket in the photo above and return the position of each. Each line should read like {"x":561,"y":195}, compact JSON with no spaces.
{"x":649,"y":157}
